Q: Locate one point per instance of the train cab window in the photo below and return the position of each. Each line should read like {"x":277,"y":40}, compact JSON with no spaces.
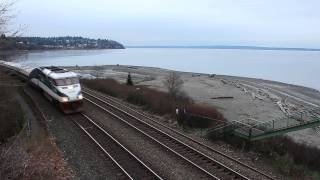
{"x":42,"y":77}
{"x":34,"y":73}
{"x":75,"y":80}
{"x":50,"y":81}
{"x":67,"y":81}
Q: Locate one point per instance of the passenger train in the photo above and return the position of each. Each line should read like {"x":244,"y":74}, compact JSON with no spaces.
{"x":60,"y":86}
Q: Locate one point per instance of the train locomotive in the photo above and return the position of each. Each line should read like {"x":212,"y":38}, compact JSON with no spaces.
{"x":60,"y":86}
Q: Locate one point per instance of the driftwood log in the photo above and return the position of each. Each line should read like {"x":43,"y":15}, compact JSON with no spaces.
{"x":223,"y":97}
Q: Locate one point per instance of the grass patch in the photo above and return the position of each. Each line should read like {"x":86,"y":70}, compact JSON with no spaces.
{"x":33,"y":159}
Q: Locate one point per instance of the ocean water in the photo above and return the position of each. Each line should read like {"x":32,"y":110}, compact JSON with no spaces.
{"x":295,"y":67}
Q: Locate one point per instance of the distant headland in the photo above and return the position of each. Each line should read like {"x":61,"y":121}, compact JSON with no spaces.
{"x":53,"y":43}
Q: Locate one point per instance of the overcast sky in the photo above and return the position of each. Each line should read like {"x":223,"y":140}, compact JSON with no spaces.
{"x":289,"y":23}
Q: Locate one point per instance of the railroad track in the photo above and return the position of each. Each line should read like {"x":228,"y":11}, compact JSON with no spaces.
{"x":133,"y":118}
{"x":209,"y":166}
{"x":130,"y":165}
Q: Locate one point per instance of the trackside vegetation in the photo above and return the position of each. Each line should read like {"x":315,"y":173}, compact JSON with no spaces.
{"x":291,"y":159}
{"x":158,"y":102}
{"x":11,"y":116}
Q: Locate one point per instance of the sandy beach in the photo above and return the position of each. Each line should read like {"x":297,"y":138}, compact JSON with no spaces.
{"x":238,"y":98}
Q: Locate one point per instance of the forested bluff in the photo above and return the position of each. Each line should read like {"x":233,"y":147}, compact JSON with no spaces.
{"x":48,"y":43}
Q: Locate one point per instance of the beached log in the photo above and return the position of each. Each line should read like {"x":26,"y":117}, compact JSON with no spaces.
{"x":245,"y":90}
{"x":274,"y":97}
{"x":224,"y":81}
{"x":222,"y":97}
{"x":262,"y":92}
{"x":256,"y":96}
{"x":279,"y":103}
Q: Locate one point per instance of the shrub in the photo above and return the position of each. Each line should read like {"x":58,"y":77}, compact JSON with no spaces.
{"x":300,"y":153}
{"x":108,"y":86}
{"x":288,"y":157}
{"x":206,"y":111}
{"x":11,"y":116}
{"x":201,"y":116}
{"x":282,"y":164}
{"x":173,"y":83}
{"x":129,"y":80}
{"x":136,"y":98}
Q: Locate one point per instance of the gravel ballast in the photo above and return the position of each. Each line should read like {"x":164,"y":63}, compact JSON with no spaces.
{"x":165,"y":163}
{"x":86,"y":160}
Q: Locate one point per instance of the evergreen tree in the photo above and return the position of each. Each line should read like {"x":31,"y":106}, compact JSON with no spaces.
{"x":129,"y":80}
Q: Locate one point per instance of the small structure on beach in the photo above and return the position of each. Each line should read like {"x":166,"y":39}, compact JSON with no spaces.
{"x":260,"y":130}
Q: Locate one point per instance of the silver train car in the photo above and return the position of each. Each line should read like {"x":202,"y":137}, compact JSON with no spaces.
{"x":60,"y":86}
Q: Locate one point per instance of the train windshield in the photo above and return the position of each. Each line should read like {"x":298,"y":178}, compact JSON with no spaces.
{"x":66,"y":81}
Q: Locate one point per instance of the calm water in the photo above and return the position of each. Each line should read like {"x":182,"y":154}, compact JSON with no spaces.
{"x":296,"y":67}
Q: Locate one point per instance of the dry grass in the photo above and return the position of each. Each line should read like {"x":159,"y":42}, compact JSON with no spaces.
{"x":33,"y":160}
{"x":23,"y":157}
{"x":11,"y":116}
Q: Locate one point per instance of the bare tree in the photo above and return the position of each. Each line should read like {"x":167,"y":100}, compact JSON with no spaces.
{"x":6,"y":15}
{"x":173,"y":83}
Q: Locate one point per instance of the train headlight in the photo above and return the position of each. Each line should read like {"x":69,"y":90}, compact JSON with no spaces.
{"x":65,"y":99}
{"x":80,"y":96}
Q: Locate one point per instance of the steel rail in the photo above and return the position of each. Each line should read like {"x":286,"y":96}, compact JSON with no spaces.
{"x":186,"y":136}
{"x":154,"y":175}
{"x":181,"y":134}
{"x":237,"y":174}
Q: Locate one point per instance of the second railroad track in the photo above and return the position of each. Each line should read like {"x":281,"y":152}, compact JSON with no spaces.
{"x":129,"y":164}
{"x":209,"y":166}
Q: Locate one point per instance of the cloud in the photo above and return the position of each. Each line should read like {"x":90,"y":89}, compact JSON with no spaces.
{"x":265,"y":22}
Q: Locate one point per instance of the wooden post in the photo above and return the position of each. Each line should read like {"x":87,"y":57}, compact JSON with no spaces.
{"x":249,"y":140}
{"x":272,"y":124}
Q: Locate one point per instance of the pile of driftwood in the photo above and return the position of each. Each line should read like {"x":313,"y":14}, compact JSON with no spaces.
{"x":261,"y":94}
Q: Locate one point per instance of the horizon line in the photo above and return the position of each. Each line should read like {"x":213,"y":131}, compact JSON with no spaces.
{"x":225,"y":47}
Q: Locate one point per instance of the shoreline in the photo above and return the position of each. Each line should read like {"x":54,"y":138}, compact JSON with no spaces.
{"x":261,"y":48}
{"x":260,"y":65}
{"x":253,"y":100}
{"x":207,"y":74}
